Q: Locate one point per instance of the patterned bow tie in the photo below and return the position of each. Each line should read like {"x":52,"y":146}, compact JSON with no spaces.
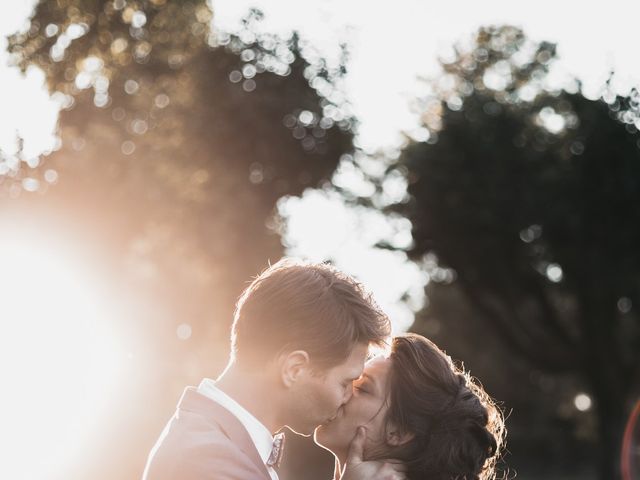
{"x":276,"y":454}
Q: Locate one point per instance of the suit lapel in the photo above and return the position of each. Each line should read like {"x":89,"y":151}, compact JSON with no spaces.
{"x":195,"y":402}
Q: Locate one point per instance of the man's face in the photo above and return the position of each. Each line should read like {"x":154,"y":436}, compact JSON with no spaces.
{"x":320,"y":396}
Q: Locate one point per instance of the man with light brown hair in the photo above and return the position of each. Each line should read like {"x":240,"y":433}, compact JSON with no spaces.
{"x":300,"y":337}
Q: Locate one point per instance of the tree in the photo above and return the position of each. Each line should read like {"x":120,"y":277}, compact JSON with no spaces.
{"x":531,"y":196}
{"x":179,"y":139}
{"x":176,"y":143}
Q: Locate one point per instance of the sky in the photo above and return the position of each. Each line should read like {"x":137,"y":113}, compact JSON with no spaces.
{"x":391,"y":45}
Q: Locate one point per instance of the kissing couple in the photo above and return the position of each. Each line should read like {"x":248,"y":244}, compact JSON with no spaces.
{"x":301,"y":347}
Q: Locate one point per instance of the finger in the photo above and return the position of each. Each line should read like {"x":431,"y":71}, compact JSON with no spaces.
{"x":395,"y":470}
{"x":357,"y":446}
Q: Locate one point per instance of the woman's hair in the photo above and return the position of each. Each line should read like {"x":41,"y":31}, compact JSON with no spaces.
{"x":457,"y":430}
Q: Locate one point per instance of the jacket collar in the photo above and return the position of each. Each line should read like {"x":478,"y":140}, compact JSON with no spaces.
{"x":195,"y":402}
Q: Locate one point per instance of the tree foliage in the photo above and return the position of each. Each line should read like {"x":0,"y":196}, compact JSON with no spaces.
{"x":531,"y":195}
{"x":176,"y":143}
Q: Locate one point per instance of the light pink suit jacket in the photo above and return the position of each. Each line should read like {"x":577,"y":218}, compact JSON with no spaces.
{"x":204,"y":441}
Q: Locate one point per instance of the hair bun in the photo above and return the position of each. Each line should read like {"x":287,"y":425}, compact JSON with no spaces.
{"x":458,"y":428}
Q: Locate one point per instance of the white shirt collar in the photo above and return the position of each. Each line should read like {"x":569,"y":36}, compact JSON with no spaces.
{"x":260,"y":435}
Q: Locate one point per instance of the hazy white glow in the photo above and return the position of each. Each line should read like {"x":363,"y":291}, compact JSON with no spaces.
{"x":582,"y":402}
{"x":28,"y":112}
{"x":320,"y":227}
{"x":58,"y":359}
{"x":624,"y":304}
{"x":550,"y":120}
{"x":183,"y":332}
{"x":554,"y":272}
{"x":27,"y":109}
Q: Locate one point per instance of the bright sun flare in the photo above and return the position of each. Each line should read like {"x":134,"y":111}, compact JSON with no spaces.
{"x":58,"y":360}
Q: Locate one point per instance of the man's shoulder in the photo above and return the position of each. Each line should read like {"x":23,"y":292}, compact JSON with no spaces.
{"x":196,"y":445}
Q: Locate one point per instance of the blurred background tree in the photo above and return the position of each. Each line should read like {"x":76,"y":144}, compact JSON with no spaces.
{"x":524,"y":199}
{"x":176,"y":143}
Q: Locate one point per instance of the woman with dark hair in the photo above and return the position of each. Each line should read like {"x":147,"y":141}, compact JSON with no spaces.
{"x":416,"y":406}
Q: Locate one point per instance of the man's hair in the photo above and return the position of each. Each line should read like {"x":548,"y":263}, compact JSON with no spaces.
{"x":294,"y":305}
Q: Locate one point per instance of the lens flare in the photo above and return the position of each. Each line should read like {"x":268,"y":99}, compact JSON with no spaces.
{"x":630,"y":449}
{"x":58,"y":359}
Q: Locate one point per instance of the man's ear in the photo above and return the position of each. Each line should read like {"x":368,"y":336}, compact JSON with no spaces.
{"x":293,"y":365}
{"x":396,"y":437}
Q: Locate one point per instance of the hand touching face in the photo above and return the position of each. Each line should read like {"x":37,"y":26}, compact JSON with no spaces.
{"x":355,"y":468}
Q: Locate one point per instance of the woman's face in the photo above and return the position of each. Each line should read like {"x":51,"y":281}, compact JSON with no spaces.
{"x":367,"y":407}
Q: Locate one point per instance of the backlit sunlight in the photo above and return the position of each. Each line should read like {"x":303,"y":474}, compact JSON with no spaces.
{"x":56,"y":353}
